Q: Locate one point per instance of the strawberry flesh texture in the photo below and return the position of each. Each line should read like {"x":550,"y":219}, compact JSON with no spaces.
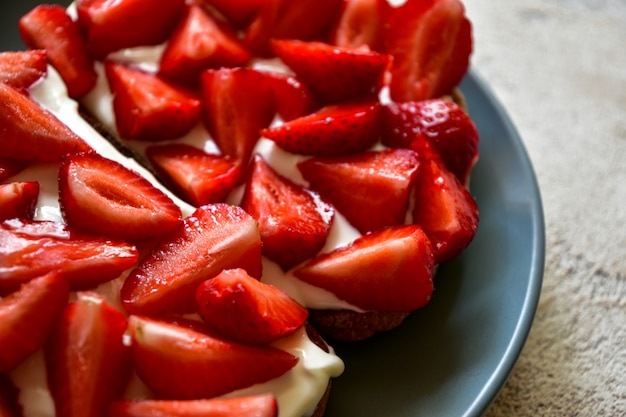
{"x":333,"y":130}
{"x":18,"y":200}
{"x":238,"y":13}
{"x":22,"y":69}
{"x":87,"y":363}
{"x":31,"y":133}
{"x":211,"y":367}
{"x":28,"y":316}
{"x":198,"y":177}
{"x":213,"y":238}
{"x":243,"y":309}
{"x":262,"y":405}
{"x":49,"y":27}
{"x":292,"y":97}
{"x":334,"y":74}
{"x":294,"y":223}
{"x":101,"y":196}
{"x":370,"y":189}
{"x":387,"y":270}
{"x":29,"y":249}
{"x":358,"y":25}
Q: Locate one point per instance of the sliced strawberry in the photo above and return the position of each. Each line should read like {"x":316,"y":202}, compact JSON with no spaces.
{"x":22,"y":69}
{"x":445,"y":210}
{"x":237,"y":104}
{"x":31,"y":133}
{"x":245,"y":310}
{"x":292,"y":97}
{"x":9,"y":398}
{"x":370,"y":189}
{"x":10,"y":167}
{"x":443,"y":123}
{"x":333,"y":130}
{"x":431,"y":42}
{"x":262,"y":405}
{"x":213,"y":238}
{"x":87,"y":363}
{"x":113,"y":25}
{"x":200,"y":42}
{"x":28,"y":317}
{"x":49,"y":27}
{"x":334,"y":74}
{"x":238,"y":13}
{"x":99,"y":195}
{"x":387,"y":270}
{"x":18,"y":200}
{"x":198,"y":177}
{"x":29,"y":249}
{"x":358,"y":25}
{"x":177,"y":362}
{"x":147,"y":107}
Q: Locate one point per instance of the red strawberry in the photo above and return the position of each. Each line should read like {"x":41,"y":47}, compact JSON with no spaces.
{"x":358,"y":25}
{"x":213,"y":238}
{"x":334,"y":74}
{"x":262,"y":405}
{"x":370,"y":189}
{"x":28,"y":317}
{"x":10,"y":167}
{"x":9,"y":398}
{"x":238,"y":13}
{"x":87,"y":363}
{"x":237,"y":104}
{"x":30,"y":133}
{"x":200,"y":42}
{"x":387,"y":270}
{"x":114,"y":25}
{"x":431,"y":42}
{"x":29,"y":249}
{"x":177,"y":362}
{"x":23,"y":68}
{"x":101,"y":196}
{"x":50,"y":28}
{"x":198,"y":177}
{"x":245,"y":310}
{"x":293,"y":222}
{"x":445,"y":210}
{"x":333,"y":130}
{"x":18,"y":200}
{"x":147,"y":107}
{"x":292,"y":97}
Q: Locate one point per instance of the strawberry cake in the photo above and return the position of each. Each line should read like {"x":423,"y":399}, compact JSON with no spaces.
{"x":196,"y":194}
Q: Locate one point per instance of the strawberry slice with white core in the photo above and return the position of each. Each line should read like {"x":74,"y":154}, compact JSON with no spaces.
{"x":387,"y":270}
{"x":31,"y":133}
{"x":215,"y":237}
{"x":245,"y":310}
{"x":210,"y":366}
{"x":263,"y":405}
{"x":29,"y":249}
{"x":28,"y":316}
{"x":18,"y":200}
{"x":88,"y":365}
{"x":22,"y":69}
{"x":99,"y":195}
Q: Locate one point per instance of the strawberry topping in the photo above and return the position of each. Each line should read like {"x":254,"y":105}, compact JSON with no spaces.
{"x":23,"y":68}
{"x":18,"y":200}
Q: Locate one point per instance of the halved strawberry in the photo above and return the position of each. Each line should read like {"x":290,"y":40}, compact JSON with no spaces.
{"x":370,"y":189}
{"x":333,"y":130}
{"x":431,"y":42}
{"x":87,"y":362}
{"x":262,"y":405}
{"x":29,"y":249}
{"x":50,"y":28}
{"x":22,"y":69}
{"x":113,"y":25}
{"x":10,"y":167}
{"x":245,"y":310}
{"x":387,"y":270}
{"x":292,"y":97}
{"x":445,"y":210}
{"x":18,"y":200}
{"x":101,"y":196}
{"x":147,"y":107}
{"x":31,"y":133}
{"x":293,"y":222}
{"x":177,"y":362}
{"x":358,"y":25}
{"x":237,"y":104}
{"x":239,"y":13}
{"x":213,"y":238}
{"x":9,"y":398}
{"x":334,"y":74}
{"x":28,"y":317}
{"x":198,"y":177}
{"x":200,"y":42}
